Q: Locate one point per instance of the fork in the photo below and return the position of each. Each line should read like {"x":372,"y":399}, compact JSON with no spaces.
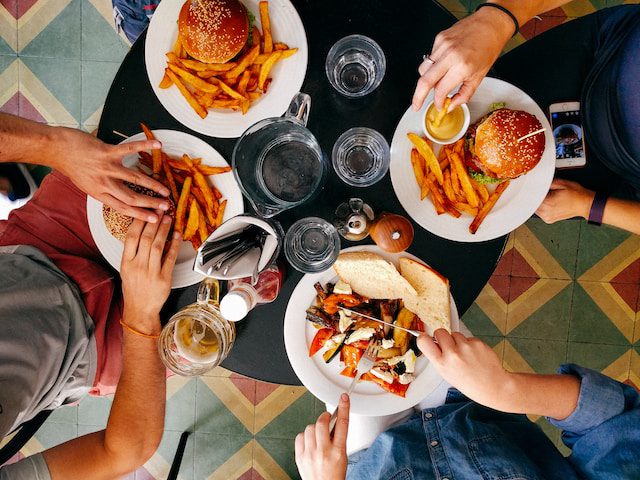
{"x":364,"y":365}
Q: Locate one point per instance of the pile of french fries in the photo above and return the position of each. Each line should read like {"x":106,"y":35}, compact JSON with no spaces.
{"x":199,"y":206}
{"x":446,"y":181}
{"x":232,"y":85}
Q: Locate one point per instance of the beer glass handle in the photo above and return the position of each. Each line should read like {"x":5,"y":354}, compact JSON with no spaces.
{"x":209,"y":291}
{"x":299,"y":108}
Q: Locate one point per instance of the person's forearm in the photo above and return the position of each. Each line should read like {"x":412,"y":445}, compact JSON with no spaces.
{"x":623,"y":214}
{"x":525,"y":10}
{"x":554,"y":396}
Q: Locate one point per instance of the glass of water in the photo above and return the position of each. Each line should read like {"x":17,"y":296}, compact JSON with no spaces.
{"x":361,"y":156}
{"x":355,"y":65}
{"x":312,"y":245}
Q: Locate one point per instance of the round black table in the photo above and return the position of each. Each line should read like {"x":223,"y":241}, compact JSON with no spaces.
{"x":405,"y":31}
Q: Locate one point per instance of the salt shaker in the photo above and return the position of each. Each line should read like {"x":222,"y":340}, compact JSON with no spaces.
{"x":353,"y":219}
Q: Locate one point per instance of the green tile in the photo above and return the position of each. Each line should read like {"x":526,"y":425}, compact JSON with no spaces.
{"x":319,"y":408}
{"x":62,"y":78}
{"x":491,"y":340}
{"x":60,"y":38}
{"x":167,"y":450}
{"x":96,"y":81}
{"x":64,"y":414}
{"x":551,"y":320}
{"x":213,"y":450}
{"x":479,"y":323}
{"x":94,"y":411}
{"x":595,"y":243}
{"x":181,"y":408}
{"x":560,"y":239}
{"x":544,"y":356}
{"x":553,"y":433}
{"x":282,"y":451}
{"x":293,"y":420}
{"x":100,"y":41}
{"x":52,"y":434}
{"x":594,"y":356}
{"x":212,"y":416}
{"x":589,"y":324}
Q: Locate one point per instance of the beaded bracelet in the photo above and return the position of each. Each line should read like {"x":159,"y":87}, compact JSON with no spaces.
{"x":138,"y":332}
{"x":502,"y":9}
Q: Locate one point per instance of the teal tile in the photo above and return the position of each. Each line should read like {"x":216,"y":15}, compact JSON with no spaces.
{"x":5,"y":49}
{"x":479,"y":323}
{"x":64,"y":414}
{"x":560,"y":239}
{"x":544,"y":356}
{"x":62,"y":78}
{"x":59,"y":39}
{"x":180,"y":412}
{"x":594,"y":356}
{"x":6,"y":60}
{"x":52,"y":434}
{"x":589,"y":324}
{"x":282,"y":450}
{"x":94,"y":411}
{"x":167,"y":450}
{"x":100,"y":41}
{"x":213,"y":450}
{"x":87,"y":429}
{"x":293,"y":420}
{"x":96,"y":81}
{"x":595,"y":243}
{"x":212,"y":416}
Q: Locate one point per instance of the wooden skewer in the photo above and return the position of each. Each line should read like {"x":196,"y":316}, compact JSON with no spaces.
{"x":531,"y":134}
{"x":120,"y":134}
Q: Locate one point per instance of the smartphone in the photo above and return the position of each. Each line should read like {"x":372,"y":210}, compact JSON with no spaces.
{"x":566,"y":123}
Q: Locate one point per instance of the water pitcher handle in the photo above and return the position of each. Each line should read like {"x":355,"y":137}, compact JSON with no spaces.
{"x":299,"y":108}
{"x":209,"y":291}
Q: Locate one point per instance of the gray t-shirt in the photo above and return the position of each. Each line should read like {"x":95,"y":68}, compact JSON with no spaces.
{"x":30,"y":468}
{"x":47,"y":345}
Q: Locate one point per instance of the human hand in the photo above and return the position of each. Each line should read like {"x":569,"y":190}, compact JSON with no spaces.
{"x":463,"y":54}
{"x":146,"y":275}
{"x":318,"y":456}
{"x":565,"y":199}
{"x":468,"y":364}
{"x":96,"y":168}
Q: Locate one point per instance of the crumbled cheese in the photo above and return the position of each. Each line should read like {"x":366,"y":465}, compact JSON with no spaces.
{"x":334,"y":341}
{"x":385,"y":376}
{"x":406,"y":378}
{"x":361,"y":334}
{"x":387,"y":343}
{"x":345,"y":320}
{"x":343,"y":288}
{"x":409,"y":360}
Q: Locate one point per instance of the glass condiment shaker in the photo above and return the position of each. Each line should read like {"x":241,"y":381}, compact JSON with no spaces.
{"x":243,"y":296}
{"x":197,"y":338}
{"x":353,"y":219}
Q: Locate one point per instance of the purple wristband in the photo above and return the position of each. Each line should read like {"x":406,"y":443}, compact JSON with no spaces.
{"x":597,"y":208}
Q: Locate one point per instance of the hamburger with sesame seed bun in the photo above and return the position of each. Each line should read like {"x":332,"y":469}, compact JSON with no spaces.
{"x":213,"y":31}
{"x":493,"y":153}
{"x":118,"y":223}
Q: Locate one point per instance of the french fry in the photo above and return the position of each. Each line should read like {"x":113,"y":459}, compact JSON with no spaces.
{"x":266,"y":26}
{"x":280,"y":46}
{"x":451,"y":209}
{"x":220,"y":215}
{"x":187,"y":161}
{"x":256,"y":38}
{"x":169,"y":176}
{"x":448,"y":189}
{"x":206,"y":67}
{"x":466,"y":208}
{"x":199,"y":109}
{"x":202,"y":184}
{"x":483,"y":193}
{"x":263,"y":57}
{"x":177,"y":46}
{"x":418,"y":171}
{"x":443,"y":165}
{"x":427,"y":154}
{"x":230,"y":91}
{"x":202,"y":226}
{"x":210,"y":212}
{"x":442,"y":113}
{"x":193,"y":220}
{"x":243,"y":82}
{"x":486,"y":208}
{"x":145,"y":159}
{"x":191,"y":79}
{"x":455,"y":183}
{"x":181,"y":209}
{"x":266,"y":68}
{"x":458,"y":147}
{"x":225,"y":103}
{"x":463,"y":178}
{"x":165,"y":82}
{"x":156,"y":153}
{"x":245,"y":61}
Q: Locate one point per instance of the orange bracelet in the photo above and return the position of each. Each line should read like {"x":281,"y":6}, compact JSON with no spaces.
{"x":138,"y":332}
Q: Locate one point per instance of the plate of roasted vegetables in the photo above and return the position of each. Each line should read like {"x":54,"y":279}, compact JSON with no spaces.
{"x":324,"y":342}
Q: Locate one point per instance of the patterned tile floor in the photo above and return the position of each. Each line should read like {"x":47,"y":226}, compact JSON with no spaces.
{"x":566,"y":292}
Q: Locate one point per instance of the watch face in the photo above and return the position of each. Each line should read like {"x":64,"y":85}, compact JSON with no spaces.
{"x":567,"y":132}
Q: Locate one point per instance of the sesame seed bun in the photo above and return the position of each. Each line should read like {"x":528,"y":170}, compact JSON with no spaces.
{"x":213,"y":31}
{"x":497,"y":152}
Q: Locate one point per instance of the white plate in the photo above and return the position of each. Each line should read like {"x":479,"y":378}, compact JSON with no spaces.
{"x":325,"y":381}
{"x":287,"y":74}
{"x":175,"y":144}
{"x":518,"y":202}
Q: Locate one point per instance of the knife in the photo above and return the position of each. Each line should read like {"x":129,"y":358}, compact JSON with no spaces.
{"x":415,"y":333}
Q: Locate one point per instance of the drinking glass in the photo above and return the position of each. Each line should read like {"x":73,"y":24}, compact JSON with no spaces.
{"x":355,"y":65}
{"x":197,"y":338}
{"x":311,"y":245}
{"x":361,"y":156}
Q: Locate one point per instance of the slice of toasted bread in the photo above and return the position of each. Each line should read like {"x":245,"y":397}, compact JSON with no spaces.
{"x":432,"y":302}
{"x":372,"y":276}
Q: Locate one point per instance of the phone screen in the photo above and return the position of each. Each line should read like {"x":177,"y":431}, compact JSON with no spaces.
{"x":567,"y":131}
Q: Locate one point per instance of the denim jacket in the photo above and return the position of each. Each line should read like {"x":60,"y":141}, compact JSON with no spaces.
{"x":465,"y":441}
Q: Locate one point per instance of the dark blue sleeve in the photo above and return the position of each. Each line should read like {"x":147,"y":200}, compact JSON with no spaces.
{"x":603,"y":432}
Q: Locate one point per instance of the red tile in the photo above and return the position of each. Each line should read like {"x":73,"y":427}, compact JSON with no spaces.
{"x":631,"y":384}
{"x":504,"y":264}
{"x":519,"y":285}
{"x":248,"y":475}
{"x":528,"y":30}
{"x":24,"y":6}
{"x":263,"y":390}
{"x":28,"y":111}
{"x":246,"y":386}
{"x":11,"y":106}
{"x":548,"y":22}
{"x":631,"y":274}
{"x":256,"y":475}
{"x":520,"y":267}
{"x":628,"y":292}
{"x":10,"y":6}
{"x":500,"y":284}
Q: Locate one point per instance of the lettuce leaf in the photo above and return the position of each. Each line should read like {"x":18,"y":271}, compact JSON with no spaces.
{"x":497,"y":106}
{"x":484,"y":179}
